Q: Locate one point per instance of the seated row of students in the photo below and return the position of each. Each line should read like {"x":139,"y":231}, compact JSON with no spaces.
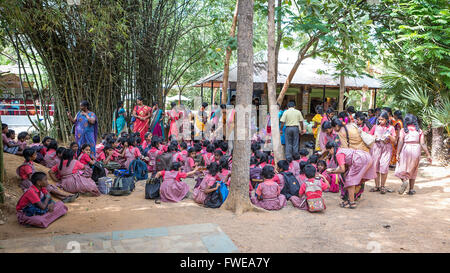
{"x":10,"y":145}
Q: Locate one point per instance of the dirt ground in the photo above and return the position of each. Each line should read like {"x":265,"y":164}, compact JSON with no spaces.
{"x":380,"y":223}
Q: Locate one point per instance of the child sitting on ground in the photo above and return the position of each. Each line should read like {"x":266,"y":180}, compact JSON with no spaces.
{"x":172,"y":188}
{"x":205,"y":187}
{"x":22,"y":138}
{"x":303,"y":154}
{"x":26,"y":170}
{"x":85,"y":156}
{"x":268,"y":194}
{"x":35,"y":207}
{"x":74,"y":147}
{"x":333,"y":179}
{"x":9,"y":145}
{"x":313,"y":188}
{"x":50,"y":158}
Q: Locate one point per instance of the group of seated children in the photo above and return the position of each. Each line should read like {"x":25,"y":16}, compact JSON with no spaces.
{"x":295,"y":179}
{"x":300,"y":179}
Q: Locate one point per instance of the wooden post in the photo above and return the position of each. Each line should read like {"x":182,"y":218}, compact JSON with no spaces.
{"x":201,"y":92}
{"x":212,"y":90}
{"x":375,"y":100}
{"x":323,"y":98}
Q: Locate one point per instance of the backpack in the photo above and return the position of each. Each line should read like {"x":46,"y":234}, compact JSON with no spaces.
{"x":163,"y":162}
{"x":291,"y":185}
{"x":152,"y":188}
{"x":214,"y":199}
{"x":122,"y":186}
{"x":98,"y":171}
{"x":138,"y":169}
{"x":121,"y":172}
{"x":314,"y":204}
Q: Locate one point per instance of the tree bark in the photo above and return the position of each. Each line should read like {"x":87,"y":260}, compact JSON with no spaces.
{"x":238,"y":200}
{"x":341,"y":92}
{"x":278,"y":44}
{"x":301,"y":57}
{"x":226,"y":68}
{"x":271,"y":83}
{"x":437,"y":147}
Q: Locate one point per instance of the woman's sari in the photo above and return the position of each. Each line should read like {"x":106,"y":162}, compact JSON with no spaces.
{"x":85,"y":132}
{"x":398,"y":125}
{"x":141,"y":126}
{"x":157,"y":124}
{"x":119,"y":123}
{"x":283,"y":130}
{"x":173,"y":117}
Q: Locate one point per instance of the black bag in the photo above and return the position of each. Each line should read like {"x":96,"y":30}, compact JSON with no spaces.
{"x":122,"y":186}
{"x":152,"y":188}
{"x":164,"y":162}
{"x":213,"y":199}
{"x":98,"y":171}
{"x":291,"y":185}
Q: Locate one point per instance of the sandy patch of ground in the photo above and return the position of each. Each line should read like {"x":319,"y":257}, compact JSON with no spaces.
{"x":386,"y":223}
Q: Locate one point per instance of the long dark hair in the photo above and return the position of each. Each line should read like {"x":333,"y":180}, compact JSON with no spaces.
{"x":410,"y":119}
{"x":332,"y":145}
{"x":364,"y":119}
{"x":119,"y":105}
{"x":385,"y":115}
{"x":67,"y":155}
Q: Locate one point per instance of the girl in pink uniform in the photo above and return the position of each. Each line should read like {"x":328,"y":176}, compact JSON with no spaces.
{"x":355,"y":165}
{"x":410,"y":143}
{"x":129,"y":152}
{"x":206,"y":185}
{"x":381,"y":150}
{"x":50,"y":158}
{"x":268,"y":194}
{"x":73,"y":177}
{"x":172,"y":188}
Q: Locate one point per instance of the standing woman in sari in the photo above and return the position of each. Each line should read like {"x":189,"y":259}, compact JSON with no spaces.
{"x":142,"y":114}
{"x":156,"y":125}
{"x":174,"y":115}
{"x":397,"y":122}
{"x":119,"y":122}
{"x":86,"y":126}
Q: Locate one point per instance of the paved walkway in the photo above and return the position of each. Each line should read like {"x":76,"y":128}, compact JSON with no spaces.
{"x":201,"y":238}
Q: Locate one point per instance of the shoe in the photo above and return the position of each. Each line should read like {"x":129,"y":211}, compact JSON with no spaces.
{"x":70,"y":199}
{"x":412,"y":192}
{"x":403,"y":187}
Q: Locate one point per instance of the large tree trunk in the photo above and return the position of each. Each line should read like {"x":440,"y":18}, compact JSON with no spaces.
{"x":226,"y":68}
{"x":301,"y":56}
{"x":238,"y":199}
{"x":341,"y":92}
{"x":271,"y":83}
{"x":278,"y":44}
{"x":437,"y":146}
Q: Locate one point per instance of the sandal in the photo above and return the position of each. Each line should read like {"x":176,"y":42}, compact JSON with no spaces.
{"x":157,"y":201}
{"x":345,"y":204}
{"x":383,"y":190}
{"x":375,"y":189}
{"x":352,"y":205}
{"x":412,"y":192}
{"x":403,"y":187}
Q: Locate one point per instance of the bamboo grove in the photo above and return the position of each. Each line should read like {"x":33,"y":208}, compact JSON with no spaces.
{"x":101,"y":51}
